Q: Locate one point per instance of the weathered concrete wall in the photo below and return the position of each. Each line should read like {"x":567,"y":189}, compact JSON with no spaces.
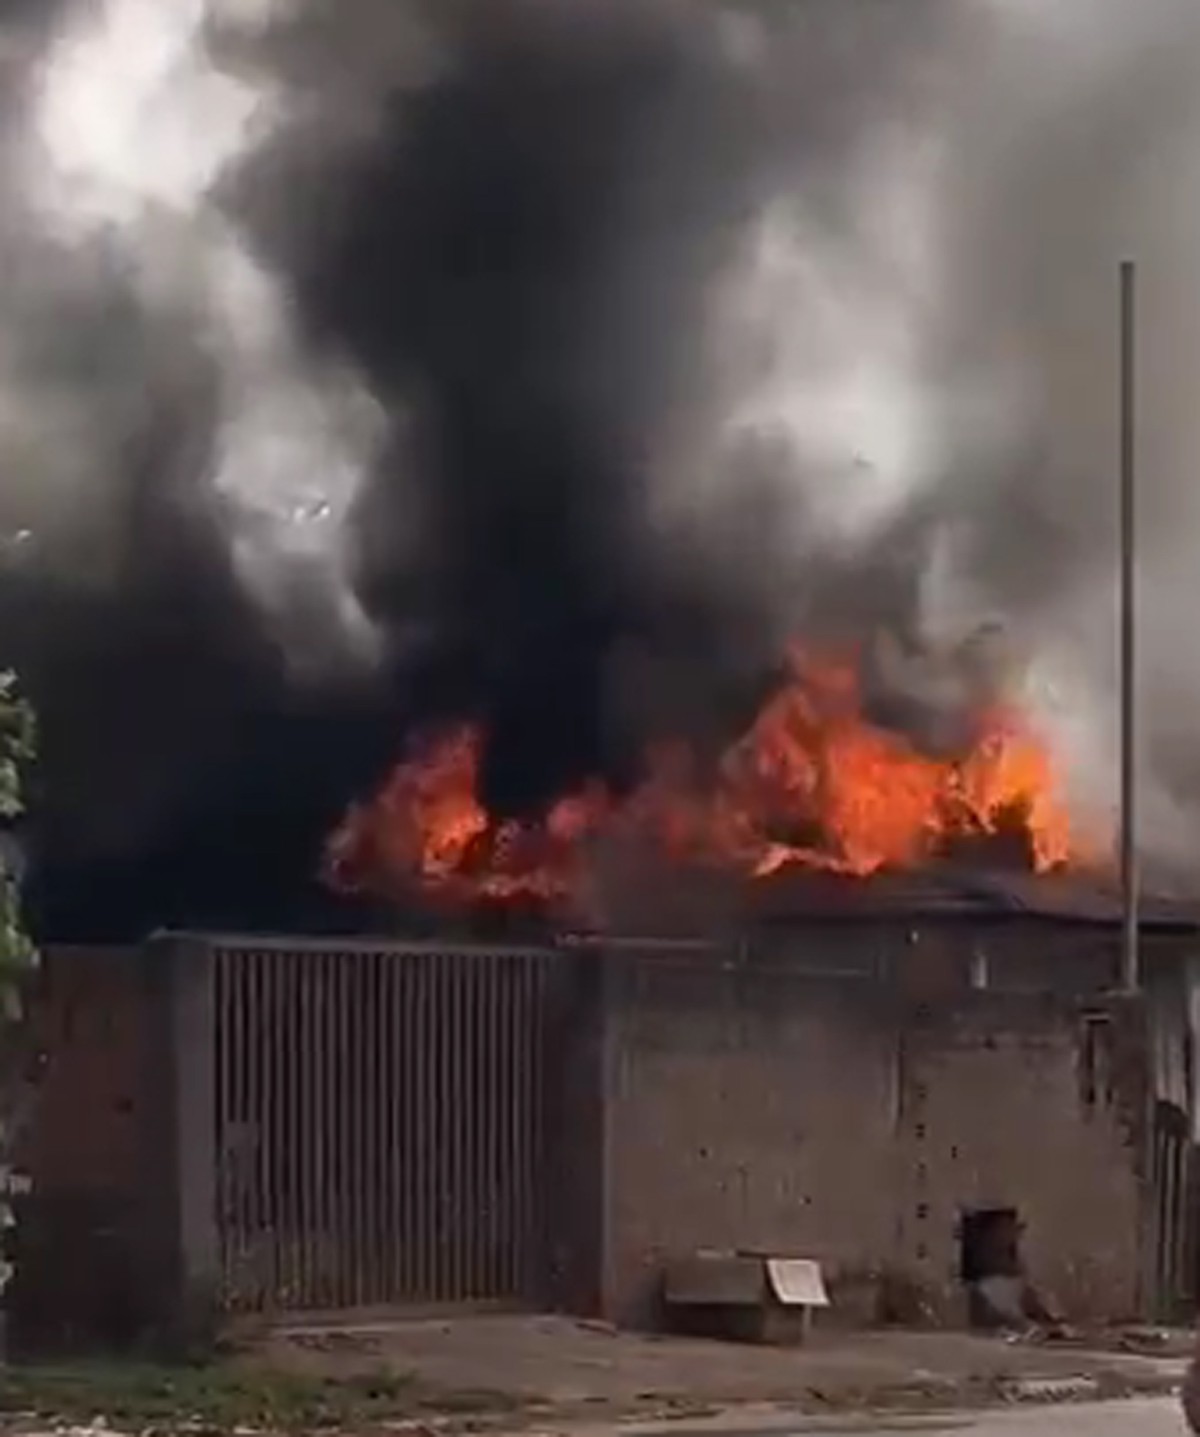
{"x":848,"y":1094}
{"x":838,"y":1090}
{"x":107,"y":1239}
{"x":81,"y":1259}
{"x":752,"y":1106}
{"x":997,"y":1112}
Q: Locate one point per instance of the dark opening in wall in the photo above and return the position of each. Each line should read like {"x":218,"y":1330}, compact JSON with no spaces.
{"x":991,"y":1268}
{"x":990,"y":1244}
{"x":1094,"y":1074}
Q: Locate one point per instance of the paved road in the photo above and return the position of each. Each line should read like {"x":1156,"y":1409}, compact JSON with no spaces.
{"x":1157,"y":1418}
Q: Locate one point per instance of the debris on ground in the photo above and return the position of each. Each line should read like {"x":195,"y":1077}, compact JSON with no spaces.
{"x":481,"y":1375}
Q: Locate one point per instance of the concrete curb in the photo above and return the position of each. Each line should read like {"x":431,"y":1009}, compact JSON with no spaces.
{"x":927,"y":1397}
{"x":942,"y":1421}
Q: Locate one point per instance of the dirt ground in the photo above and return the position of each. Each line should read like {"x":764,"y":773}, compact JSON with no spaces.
{"x":560,"y":1364}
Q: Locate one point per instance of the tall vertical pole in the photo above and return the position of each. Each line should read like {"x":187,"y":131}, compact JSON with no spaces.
{"x":1130,"y":964}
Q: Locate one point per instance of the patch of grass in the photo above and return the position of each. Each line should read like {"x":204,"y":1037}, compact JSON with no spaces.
{"x":217,"y":1398}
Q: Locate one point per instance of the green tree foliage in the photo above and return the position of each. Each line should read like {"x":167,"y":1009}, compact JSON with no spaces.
{"x":18,"y":743}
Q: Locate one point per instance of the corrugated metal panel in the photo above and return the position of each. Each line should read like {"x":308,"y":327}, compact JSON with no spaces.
{"x":380,"y":1124}
{"x":1168,"y":1022}
{"x":1172,"y":1187}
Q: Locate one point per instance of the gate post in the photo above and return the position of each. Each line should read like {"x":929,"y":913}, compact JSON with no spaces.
{"x":181,"y":972}
{"x":576,"y":1107}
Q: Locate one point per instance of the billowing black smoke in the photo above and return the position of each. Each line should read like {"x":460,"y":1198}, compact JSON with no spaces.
{"x":522,"y":254}
{"x":370,"y":364}
{"x":513,"y":255}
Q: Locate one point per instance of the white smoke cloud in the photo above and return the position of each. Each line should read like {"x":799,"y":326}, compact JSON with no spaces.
{"x":943,"y":353}
{"x":139,"y":289}
{"x":1079,"y":150}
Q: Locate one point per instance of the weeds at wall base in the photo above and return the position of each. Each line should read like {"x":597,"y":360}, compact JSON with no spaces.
{"x":225,"y":1397}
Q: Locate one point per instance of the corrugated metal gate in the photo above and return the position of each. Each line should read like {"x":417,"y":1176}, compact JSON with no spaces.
{"x":1173,"y":1237}
{"x":380,"y":1124}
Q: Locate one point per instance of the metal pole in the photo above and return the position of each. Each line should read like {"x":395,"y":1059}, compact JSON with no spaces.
{"x":1130,"y":964}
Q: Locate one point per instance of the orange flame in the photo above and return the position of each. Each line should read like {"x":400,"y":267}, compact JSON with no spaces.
{"x":812,"y":783}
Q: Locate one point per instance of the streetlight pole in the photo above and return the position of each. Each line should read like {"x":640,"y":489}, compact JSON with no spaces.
{"x":1130,"y":957}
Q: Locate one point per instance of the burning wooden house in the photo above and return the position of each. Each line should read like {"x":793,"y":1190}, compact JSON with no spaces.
{"x":800,"y":1022}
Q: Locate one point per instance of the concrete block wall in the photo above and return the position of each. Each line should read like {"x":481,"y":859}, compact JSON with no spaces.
{"x":848,"y":1095}
{"x":750,"y":1106}
{"x":994,"y":1114}
{"x":103,"y":1245}
{"x":81,"y":1231}
{"x":842,"y":1091}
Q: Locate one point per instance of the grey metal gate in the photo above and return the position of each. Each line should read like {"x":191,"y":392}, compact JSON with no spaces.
{"x":380,"y":1124}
